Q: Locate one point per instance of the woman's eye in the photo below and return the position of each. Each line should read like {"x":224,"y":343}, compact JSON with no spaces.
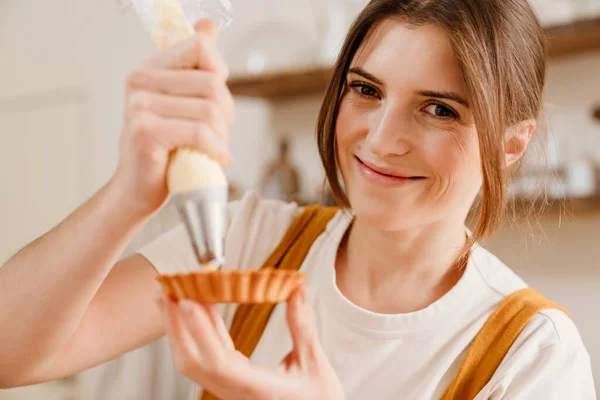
{"x":441,"y":111}
{"x":364,"y":90}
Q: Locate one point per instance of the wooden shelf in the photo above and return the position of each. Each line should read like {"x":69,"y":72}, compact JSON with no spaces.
{"x":281,"y":84}
{"x":569,"y":207}
{"x":519,"y":210}
{"x":577,"y":37}
{"x":563,"y":40}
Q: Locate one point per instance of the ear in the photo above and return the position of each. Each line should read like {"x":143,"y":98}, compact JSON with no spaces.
{"x":517,"y":140}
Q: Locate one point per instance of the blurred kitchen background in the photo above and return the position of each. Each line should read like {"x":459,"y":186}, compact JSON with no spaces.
{"x":62,"y":71}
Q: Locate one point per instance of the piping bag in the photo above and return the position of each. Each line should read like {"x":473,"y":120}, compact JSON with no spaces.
{"x":197,"y":184}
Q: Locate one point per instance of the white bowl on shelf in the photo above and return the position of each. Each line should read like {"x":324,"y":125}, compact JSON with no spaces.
{"x":272,"y":47}
{"x":554,"y":12}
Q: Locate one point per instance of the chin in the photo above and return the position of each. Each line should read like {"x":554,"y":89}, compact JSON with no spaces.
{"x":385,"y":213}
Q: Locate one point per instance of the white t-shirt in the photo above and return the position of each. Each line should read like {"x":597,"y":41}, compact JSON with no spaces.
{"x":404,"y":356}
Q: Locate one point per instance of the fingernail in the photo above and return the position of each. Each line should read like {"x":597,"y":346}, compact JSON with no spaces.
{"x":304,"y":294}
{"x":186,"y":306}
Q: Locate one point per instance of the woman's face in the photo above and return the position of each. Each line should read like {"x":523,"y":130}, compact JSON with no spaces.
{"x":407,"y":145}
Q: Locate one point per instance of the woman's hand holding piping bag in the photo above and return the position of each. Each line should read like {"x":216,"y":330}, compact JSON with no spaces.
{"x":176,"y":100}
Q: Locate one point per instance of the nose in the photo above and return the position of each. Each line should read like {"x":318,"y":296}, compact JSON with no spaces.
{"x":389,"y":135}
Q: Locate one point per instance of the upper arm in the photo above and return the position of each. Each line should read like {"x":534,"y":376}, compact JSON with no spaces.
{"x":123,"y":315}
{"x":547,"y":361}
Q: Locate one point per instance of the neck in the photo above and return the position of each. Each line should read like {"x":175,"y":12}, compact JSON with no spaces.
{"x":400,"y":271}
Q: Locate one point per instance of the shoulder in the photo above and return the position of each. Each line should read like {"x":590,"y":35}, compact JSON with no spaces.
{"x":549,"y":327}
{"x":494,"y":273}
{"x":548,"y":358}
{"x":254,"y":227}
{"x":551,"y":331}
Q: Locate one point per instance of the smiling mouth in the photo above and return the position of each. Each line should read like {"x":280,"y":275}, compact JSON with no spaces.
{"x":386,"y":173}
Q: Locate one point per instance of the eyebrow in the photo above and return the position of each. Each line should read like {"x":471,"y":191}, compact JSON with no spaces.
{"x":425,"y":93}
{"x":365,"y":74}
{"x":444,"y":95}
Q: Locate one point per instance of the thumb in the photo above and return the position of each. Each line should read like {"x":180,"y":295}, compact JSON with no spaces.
{"x":208,"y":27}
{"x":303,"y":329}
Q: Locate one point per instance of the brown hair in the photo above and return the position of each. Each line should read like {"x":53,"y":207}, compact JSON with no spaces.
{"x":499,"y":45}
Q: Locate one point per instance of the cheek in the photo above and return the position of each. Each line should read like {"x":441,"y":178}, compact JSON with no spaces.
{"x":456,"y":157}
{"x":350,"y":131}
{"x":350,"y":126}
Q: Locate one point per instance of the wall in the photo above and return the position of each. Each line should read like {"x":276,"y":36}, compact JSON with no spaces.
{"x":77,"y":45}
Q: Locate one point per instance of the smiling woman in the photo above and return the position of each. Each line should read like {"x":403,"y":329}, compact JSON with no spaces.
{"x":411,"y":71}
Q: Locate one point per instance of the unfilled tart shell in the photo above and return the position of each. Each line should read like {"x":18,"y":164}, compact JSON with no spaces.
{"x":266,"y":285}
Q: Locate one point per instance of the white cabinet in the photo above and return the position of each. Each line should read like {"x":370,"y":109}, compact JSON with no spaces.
{"x":44,"y":153}
{"x":59,"y":390}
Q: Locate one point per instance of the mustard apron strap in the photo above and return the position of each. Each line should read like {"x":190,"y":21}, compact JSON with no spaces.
{"x":250,"y":320}
{"x":493,"y":341}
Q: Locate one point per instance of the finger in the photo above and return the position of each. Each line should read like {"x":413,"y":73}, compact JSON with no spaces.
{"x":177,"y":133}
{"x":185,"y":83}
{"x":226,"y":370}
{"x":201,"y":329}
{"x":186,"y":108}
{"x":287,"y":363}
{"x":197,"y":52}
{"x":208,"y":27}
{"x":219,"y":326}
{"x":301,"y":321}
{"x":222,"y":368}
{"x":183,"y":346}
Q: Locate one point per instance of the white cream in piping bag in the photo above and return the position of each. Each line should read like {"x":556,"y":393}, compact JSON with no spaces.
{"x":172,"y":26}
{"x":188,"y":169}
